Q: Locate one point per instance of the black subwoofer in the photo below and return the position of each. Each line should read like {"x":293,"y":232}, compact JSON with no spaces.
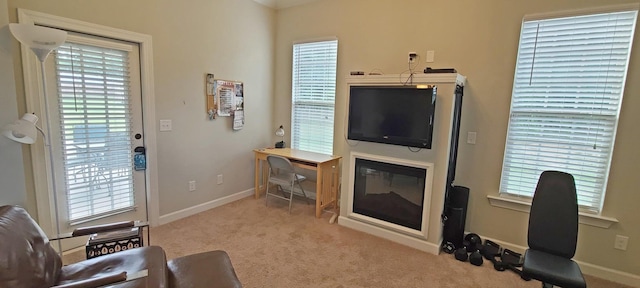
{"x":455,"y":215}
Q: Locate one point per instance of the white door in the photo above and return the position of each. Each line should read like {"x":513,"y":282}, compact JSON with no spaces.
{"x":96,"y":119}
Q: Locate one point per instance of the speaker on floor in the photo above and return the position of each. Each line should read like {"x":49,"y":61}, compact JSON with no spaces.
{"x":455,"y":214}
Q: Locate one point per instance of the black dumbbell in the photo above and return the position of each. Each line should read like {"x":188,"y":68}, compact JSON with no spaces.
{"x":461,"y":254}
{"x":476,"y":258}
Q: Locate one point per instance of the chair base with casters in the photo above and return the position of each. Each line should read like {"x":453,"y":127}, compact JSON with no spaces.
{"x":553,"y":232}
{"x":282,"y":174}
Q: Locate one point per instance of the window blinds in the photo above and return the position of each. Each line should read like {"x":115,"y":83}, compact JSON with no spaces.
{"x":567,"y":92}
{"x":95,"y":123}
{"x":313,"y":96}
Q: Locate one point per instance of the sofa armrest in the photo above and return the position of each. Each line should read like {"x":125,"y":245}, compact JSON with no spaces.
{"x":211,"y":269}
{"x":95,"y":282}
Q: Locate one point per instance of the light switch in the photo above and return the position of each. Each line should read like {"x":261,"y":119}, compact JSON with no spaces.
{"x":471,"y":137}
{"x":165,"y":125}
{"x":431,"y":56}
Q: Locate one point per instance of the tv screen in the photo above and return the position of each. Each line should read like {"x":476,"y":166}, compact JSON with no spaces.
{"x":398,"y":115}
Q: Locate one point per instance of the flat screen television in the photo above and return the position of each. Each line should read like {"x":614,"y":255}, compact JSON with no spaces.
{"x":398,"y":115}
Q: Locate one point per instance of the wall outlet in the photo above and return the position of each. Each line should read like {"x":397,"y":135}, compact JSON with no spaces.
{"x":192,"y":185}
{"x":471,"y":137}
{"x":412,"y":56}
{"x":220,"y":180}
{"x":621,"y":242}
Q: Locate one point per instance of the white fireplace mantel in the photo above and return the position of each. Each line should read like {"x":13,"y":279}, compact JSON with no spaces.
{"x":437,"y":158}
{"x":424,"y":230}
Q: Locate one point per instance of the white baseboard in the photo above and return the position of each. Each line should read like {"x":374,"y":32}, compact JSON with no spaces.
{"x":173,"y":216}
{"x":416,"y":243}
{"x":587,"y":268}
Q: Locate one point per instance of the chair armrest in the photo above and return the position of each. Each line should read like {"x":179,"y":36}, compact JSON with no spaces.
{"x":101,"y":228}
{"x":96,"y":282}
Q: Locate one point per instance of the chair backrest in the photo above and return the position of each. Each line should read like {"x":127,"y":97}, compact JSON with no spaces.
{"x":280,"y":165}
{"x":553,"y":220}
{"x":26,"y":256}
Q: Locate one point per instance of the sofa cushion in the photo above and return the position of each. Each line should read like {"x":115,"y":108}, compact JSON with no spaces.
{"x":211,"y":269}
{"x":26,"y":257}
{"x":131,"y":261}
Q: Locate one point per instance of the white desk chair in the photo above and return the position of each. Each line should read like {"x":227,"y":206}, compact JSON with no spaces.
{"x":281,"y":173}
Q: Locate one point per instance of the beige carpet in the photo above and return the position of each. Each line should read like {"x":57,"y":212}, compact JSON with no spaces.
{"x":270,"y":248}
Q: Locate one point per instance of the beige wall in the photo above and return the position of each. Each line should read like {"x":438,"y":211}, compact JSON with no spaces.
{"x":12,"y":183}
{"x":234,"y":39}
{"x":480,"y":40}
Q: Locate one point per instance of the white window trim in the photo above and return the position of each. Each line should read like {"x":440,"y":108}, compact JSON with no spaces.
{"x":32,"y":92}
{"x":579,"y":12}
{"x":524,"y":205}
{"x":306,"y":41}
{"x":311,"y":40}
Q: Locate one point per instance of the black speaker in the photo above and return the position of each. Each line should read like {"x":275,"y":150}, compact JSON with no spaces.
{"x":455,"y":215}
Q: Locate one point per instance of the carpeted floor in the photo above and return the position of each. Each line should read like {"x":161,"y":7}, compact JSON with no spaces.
{"x":270,"y":248}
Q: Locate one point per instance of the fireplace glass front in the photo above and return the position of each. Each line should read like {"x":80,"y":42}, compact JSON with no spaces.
{"x":389,"y":192}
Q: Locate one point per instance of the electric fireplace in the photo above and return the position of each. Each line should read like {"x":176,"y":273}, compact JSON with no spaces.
{"x":391,"y":193}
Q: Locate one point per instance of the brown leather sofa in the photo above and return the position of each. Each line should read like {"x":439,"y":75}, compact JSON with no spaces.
{"x":28,"y":260}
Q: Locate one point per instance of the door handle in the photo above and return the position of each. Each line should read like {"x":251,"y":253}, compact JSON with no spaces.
{"x":140,"y":149}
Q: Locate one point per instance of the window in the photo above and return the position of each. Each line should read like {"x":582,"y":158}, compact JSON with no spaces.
{"x":95,"y":127}
{"x":569,"y":80}
{"x":313,"y":96}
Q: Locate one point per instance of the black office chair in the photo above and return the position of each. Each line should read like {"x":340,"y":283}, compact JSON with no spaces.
{"x":553,"y":233}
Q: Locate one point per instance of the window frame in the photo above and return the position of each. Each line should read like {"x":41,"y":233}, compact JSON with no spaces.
{"x":326,"y":148}
{"x":522,"y":203}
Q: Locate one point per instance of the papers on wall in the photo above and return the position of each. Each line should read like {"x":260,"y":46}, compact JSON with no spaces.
{"x":227,"y":98}
{"x":225,"y":93}
{"x":238,"y":119}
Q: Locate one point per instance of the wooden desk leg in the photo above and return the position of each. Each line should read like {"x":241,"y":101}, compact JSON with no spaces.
{"x":256,"y":182}
{"x":335,"y":183}
{"x":264,"y":175}
{"x":319,"y":180}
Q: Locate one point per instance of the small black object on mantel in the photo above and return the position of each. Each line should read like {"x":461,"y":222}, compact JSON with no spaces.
{"x":441,"y":70}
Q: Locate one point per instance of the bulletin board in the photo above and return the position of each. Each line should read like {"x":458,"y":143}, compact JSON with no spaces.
{"x":225,"y":98}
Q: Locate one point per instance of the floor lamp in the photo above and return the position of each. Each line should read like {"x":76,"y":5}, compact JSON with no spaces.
{"x":41,"y":40}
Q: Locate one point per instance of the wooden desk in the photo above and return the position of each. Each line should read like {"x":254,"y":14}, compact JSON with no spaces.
{"x":326,"y":166}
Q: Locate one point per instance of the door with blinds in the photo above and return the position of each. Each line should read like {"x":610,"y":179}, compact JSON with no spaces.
{"x":96,"y":127}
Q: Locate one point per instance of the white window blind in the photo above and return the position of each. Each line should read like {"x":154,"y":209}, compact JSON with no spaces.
{"x":567,"y":93}
{"x":313,"y":96}
{"x":95,"y":123}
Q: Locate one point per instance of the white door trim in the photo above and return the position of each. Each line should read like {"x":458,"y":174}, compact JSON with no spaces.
{"x":33,"y":89}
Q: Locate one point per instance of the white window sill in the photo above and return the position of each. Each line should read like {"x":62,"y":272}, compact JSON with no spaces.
{"x":524,"y":206}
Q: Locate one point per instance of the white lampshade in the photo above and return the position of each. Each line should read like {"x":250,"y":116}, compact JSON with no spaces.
{"x":280,"y":131}
{"x":22,"y":130}
{"x":41,"y":40}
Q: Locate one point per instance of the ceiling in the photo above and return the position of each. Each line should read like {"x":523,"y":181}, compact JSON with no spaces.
{"x":282,"y":4}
